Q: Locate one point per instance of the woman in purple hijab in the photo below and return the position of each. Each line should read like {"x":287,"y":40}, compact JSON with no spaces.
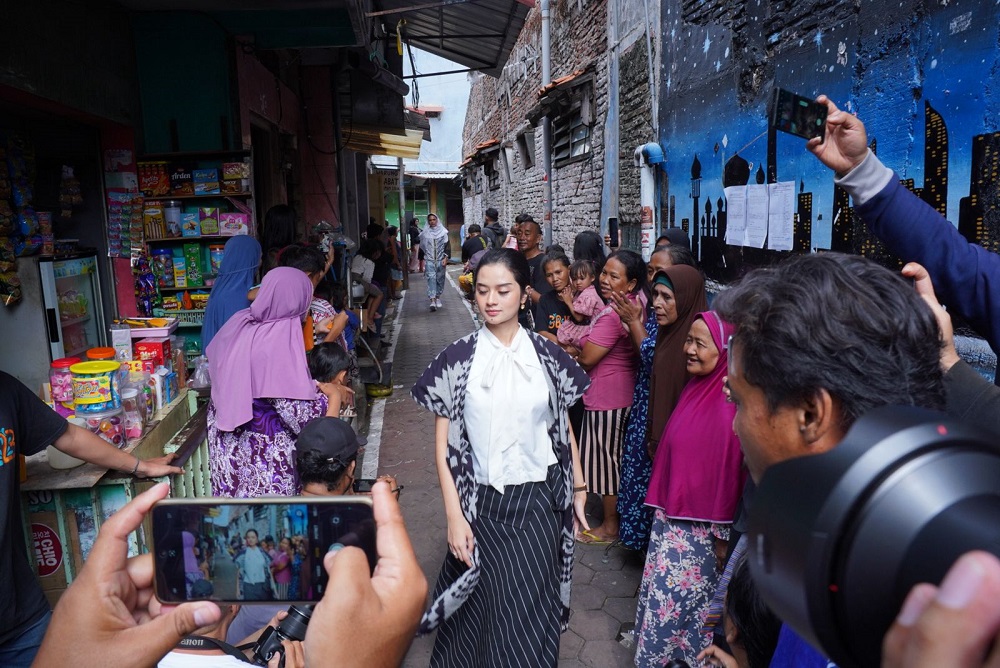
{"x":262,"y":394}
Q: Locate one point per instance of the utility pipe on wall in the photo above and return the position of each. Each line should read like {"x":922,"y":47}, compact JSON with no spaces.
{"x":546,"y":130}
{"x":646,"y":158}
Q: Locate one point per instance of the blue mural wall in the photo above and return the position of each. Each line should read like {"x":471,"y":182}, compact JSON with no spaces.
{"x":923,"y":76}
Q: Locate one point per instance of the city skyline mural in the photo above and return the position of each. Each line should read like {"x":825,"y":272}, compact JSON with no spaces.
{"x":919,"y":90}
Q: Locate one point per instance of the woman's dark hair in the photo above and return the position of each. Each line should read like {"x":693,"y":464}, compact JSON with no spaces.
{"x":279,"y":228}
{"x":756,"y":625}
{"x":371,"y":248}
{"x":392,"y":230}
{"x":305,"y":258}
{"x":635,"y":267}
{"x":511,"y":259}
{"x":678,"y":254}
{"x":337,"y":296}
{"x":582,"y":268}
{"x":588,"y":245}
{"x":839,"y":323}
{"x":675,"y":236}
{"x":326,"y":360}
{"x":414,"y":221}
{"x":554,"y":257}
{"x":314,"y":466}
{"x":552,"y":249}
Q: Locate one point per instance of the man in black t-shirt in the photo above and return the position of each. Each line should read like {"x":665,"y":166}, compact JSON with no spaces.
{"x":27,"y":426}
{"x":474,"y":242}
{"x":529,"y":238}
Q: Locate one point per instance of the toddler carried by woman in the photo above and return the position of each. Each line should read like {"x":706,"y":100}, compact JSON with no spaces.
{"x":584,"y":303}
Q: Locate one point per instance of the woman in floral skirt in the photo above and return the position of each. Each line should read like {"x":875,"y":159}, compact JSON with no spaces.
{"x":697,"y":478}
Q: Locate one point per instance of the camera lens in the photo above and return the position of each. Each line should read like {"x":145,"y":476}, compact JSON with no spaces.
{"x":837,"y":540}
{"x":294,"y":625}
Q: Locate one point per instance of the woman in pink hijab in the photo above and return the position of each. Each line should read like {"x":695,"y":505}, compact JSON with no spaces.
{"x":697,"y":479}
{"x":262,"y":394}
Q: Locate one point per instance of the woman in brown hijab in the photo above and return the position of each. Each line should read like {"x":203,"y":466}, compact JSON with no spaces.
{"x":680,"y":288}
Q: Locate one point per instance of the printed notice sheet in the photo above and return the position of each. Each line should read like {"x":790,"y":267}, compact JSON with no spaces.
{"x":736,"y":214}
{"x":780,"y":215}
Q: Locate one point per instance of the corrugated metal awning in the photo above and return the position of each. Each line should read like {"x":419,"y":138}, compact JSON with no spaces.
{"x":476,"y":33}
{"x":382,"y":141}
{"x":433,"y":176}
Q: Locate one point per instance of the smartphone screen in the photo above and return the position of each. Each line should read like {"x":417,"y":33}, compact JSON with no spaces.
{"x":254,"y":550}
{"x":364,"y":485}
{"x":613,"y":232}
{"x":797,"y":115}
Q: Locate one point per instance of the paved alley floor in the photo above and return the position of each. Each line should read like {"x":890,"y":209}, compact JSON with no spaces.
{"x":604,"y":585}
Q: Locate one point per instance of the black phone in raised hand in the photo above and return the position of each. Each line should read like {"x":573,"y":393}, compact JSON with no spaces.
{"x":613,"y":232}
{"x":797,"y":115}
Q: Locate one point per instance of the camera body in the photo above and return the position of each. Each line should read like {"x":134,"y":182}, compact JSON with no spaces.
{"x":292,"y":627}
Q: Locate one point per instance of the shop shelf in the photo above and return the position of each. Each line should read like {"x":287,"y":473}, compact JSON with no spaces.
{"x":158,"y":198}
{"x":74,"y":321}
{"x":189,"y":287}
{"x":194,"y":155}
{"x":78,"y":352}
{"x":183,"y":239}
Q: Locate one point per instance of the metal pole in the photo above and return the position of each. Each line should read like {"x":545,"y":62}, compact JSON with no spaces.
{"x":546,"y":130}
{"x":404,"y":227}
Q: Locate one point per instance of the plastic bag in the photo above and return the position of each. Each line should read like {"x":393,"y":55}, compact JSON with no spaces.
{"x":200,"y":377}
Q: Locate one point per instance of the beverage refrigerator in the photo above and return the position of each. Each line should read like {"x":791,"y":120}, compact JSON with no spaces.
{"x":61,"y":314}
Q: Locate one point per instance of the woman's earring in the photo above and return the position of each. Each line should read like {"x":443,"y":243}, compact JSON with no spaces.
{"x":522,"y":306}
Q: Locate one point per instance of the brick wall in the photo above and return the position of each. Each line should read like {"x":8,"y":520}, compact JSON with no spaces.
{"x":635,"y":129}
{"x":497,"y":109}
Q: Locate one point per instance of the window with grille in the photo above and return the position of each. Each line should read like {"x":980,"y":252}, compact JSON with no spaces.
{"x":526,"y":148}
{"x":571,"y":132}
{"x":492,"y":173}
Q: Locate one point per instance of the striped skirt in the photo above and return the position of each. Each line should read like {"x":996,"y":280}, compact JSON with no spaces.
{"x":512,"y":617}
{"x":601,"y":449}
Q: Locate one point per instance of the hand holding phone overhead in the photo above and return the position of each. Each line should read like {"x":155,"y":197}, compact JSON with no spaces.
{"x":797,"y":115}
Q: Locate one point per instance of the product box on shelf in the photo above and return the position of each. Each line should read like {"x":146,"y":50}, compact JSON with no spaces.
{"x":181,"y":180}
{"x":233,"y":224}
{"x":180,"y":273}
{"x":208,"y":216}
{"x":190,"y":225}
{"x":156,"y":350}
{"x":235,"y":171}
{"x":153,"y":221}
{"x":206,"y":181}
{"x":192,"y":258}
{"x":121,"y":341}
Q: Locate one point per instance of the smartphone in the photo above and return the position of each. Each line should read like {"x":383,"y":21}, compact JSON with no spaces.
{"x":797,"y":115}
{"x":211,"y":549}
{"x":364,"y":485}
{"x":613,"y":231}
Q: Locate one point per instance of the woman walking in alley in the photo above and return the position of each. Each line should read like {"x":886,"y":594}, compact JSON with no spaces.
{"x":512,"y":488}
{"x":437,"y":250}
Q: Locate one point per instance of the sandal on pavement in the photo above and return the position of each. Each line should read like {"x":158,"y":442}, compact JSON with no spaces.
{"x":588,"y":538}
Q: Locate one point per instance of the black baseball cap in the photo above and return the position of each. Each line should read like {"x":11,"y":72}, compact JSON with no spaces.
{"x":332,"y":437}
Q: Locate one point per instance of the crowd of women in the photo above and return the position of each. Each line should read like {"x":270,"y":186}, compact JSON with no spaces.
{"x":627,"y":360}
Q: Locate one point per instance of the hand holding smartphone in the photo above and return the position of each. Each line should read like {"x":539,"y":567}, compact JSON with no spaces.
{"x":797,"y":115}
{"x":218,"y":549}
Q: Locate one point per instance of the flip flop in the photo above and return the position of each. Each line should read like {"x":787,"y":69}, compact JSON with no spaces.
{"x":588,"y":538}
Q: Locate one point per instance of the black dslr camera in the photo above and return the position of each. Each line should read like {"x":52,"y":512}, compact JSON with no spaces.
{"x":292,"y":627}
{"x":838,"y":539}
